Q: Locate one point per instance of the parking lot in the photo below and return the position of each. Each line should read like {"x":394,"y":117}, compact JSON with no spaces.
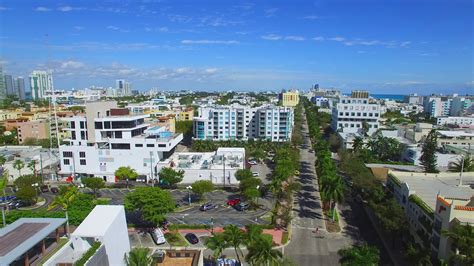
{"x":143,"y":239}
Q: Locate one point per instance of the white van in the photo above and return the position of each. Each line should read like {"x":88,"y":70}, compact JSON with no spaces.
{"x":158,"y":236}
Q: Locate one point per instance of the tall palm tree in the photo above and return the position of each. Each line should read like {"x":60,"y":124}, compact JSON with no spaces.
{"x":333,"y":189}
{"x":466,"y":163}
{"x":18,"y":165}
{"x":234,"y":237}
{"x":64,"y":201}
{"x":138,"y":257}
{"x":254,"y":231}
{"x":217,"y":243}
{"x":261,"y":253}
{"x":359,"y":255}
{"x":462,"y":237}
{"x":32,"y":166}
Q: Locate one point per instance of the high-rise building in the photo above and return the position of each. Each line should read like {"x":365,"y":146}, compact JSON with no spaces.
{"x":3,"y":89}
{"x":122,"y":87}
{"x":239,"y":122}
{"x":20,"y":87}
{"x":290,"y":98}
{"x":8,"y":79}
{"x":351,"y":113}
{"x":41,"y":84}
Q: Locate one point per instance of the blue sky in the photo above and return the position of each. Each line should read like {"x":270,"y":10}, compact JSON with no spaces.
{"x":384,"y":46}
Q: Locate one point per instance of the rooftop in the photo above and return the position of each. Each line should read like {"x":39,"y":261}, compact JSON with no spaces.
{"x":427,"y":186}
{"x":234,"y":158}
{"x":98,"y":221}
{"x":20,"y":236}
{"x":455,"y":133}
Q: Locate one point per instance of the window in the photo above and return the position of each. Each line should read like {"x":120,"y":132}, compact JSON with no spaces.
{"x":98,"y":125}
{"x":138,"y":145}
{"x":82,"y":162}
{"x":162,"y":145}
{"x":150,"y":145}
{"x":73,"y":124}
{"x":66,"y":162}
{"x":67,"y":154}
{"x":81,"y":124}
{"x":107,"y":124}
{"x":83,"y":135}
{"x":120,"y":146}
{"x":118,"y":134}
{"x":73,"y":135}
{"x":82,"y":154}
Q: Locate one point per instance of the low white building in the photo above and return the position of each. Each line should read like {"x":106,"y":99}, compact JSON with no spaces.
{"x":105,"y":224}
{"x":218,"y":167}
{"x":461,"y":121}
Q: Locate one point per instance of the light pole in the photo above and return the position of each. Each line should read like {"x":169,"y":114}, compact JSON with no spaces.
{"x":189,"y":193}
{"x":258,"y":187}
{"x":35,"y":185}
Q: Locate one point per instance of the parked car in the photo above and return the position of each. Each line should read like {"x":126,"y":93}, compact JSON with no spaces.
{"x":158,"y":236}
{"x":54,"y":190}
{"x":233,"y":202}
{"x":207,"y":206}
{"x":242,"y":206}
{"x":7,"y":198}
{"x":192,"y":238}
{"x":253,"y":162}
{"x":44,"y":188}
{"x":255,"y":174}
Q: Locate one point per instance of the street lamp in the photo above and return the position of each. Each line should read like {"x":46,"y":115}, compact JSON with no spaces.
{"x":189,"y":193}
{"x":36,"y":185}
{"x":258,"y":187}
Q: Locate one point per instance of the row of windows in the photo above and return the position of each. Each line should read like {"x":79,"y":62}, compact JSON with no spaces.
{"x":68,"y":162}
{"x":82,"y":125}
{"x":359,"y":114}
{"x":358,"y":125}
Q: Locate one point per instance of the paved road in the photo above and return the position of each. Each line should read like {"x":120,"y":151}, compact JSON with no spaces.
{"x":307,"y":248}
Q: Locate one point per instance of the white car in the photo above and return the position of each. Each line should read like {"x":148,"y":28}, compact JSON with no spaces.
{"x":253,"y":162}
{"x":158,"y":236}
{"x":255,"y":174}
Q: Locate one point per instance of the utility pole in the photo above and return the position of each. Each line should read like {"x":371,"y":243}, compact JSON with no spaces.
{"x":462,"y":169}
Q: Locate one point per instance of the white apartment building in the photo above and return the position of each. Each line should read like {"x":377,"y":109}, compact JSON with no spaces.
{"x":41,"y":84}
{"x":351,"y":112}
{"x":462,"y":121}
{"x":237,"y":122}
{"x":108,"y":137}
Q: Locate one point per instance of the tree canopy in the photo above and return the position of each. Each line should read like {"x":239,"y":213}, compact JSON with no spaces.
{"x":126,"y":172}
{"x":153,"y":203}
{"x":170,"y":176}
{"x":94,"y":183}
{"x":201,"y":187}
{"x":428,"y":154}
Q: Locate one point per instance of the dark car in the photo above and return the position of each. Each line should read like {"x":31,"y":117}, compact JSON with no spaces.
{"x":192,"y":238}
{"x":242,"y":206}
{"x":207,"y":206}
{"x":233,"y":202}
{"x":54,"y":189}
{"x":44,"y":188}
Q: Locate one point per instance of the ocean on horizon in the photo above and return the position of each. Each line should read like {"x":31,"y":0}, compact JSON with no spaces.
{"x":395,"y":97}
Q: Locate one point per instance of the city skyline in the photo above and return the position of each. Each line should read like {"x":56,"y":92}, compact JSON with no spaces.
{"x":392,"y":47}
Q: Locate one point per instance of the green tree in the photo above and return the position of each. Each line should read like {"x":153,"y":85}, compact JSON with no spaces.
{"x":185,"y":127}
{"x":261,"y":253}
{"x":201,"y":187}
{"x":465,"y":162}
{"x":216,"y":243}
{"x":253,"y":232}
{"x":64,"y":200}
{"x":170,"y":176}
{"x":417,"y":256}
{"x":251,"y":193}
{"x":359,"y":255}
{"x":334,"y":192}
{"x":139,"y":257}
{"x":94,"y":183}
{"x":27,"y":194}
{"x":428,"y":154}
{"x":153,"y":203}
{"x":234,"y":237}
{"x":242,"y":174}
{"x":357,"y":144}
{"x":462,"y":236}
{"x":126,"y":173}
{"x":258,"y":154}
{"x":32,"y":166}
{"x":18,"y":165}
{"x":3,"y":160}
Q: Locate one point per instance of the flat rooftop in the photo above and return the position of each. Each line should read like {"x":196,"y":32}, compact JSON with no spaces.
{"x":455,"y":133}
{"x":21,"y":235}
{"x":99,"y":220}
{"x":234,"y":159}
{"x":427,"y":186}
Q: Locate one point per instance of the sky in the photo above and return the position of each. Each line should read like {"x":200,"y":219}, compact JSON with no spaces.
{"x":392,"y":47}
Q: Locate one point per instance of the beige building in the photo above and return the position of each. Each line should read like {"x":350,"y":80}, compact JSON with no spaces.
{"x":38,"y":129}
{"x":455,"y":137}
{"x":9,"y":114}
{"x":290,"y":98}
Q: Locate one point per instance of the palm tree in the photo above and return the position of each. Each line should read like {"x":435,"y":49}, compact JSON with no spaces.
{"x":333,"y":190}
{"x":462,"y":237}
{"x":359,"y":255}
{"x":465,"y":162}
{"x":138,"y":257}
{"x":32,"y":166}
{"x":18,"y":165}
{"x":357,"y":144}
{"x":234,"y":237}
{"x":64,"y":201}
{"x":253,"y":232}
{"x":261,"y":253}
{"x":216,"y":243}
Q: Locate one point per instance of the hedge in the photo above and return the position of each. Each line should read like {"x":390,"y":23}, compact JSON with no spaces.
{"x":89,"y":253}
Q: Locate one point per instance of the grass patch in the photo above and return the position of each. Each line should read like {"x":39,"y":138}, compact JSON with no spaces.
{"x":62,"y":242}
{"x":285,"y":237}
{"x":89,"y":253}
{"x":175,"y":239}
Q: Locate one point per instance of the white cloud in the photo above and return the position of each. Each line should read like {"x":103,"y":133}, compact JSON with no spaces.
{"x":42,"y":9}
{"x":2,"y":8}
{"x":311,"y":17}
{"x":403,"y":44}
{"x":271,"y":37}
{"x":163,"y":29}
{"x":318,"y":38}
{"x":270,"y":12}
{"x":209,"y":42}
{"x":65,"y":8}
{"x":78,"y":27}
{"x":72,"y":64}
{"x":337,"y":39}
{"x":295,"y":38}
{"x":115,"y":28}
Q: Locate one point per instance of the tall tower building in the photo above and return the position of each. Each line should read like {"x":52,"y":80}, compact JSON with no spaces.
{"x":8,"y":79}
{"x":123,"y":87}
{"x":3,"y":89}
{"x":41,"y":84}
{"x":20,"y":87}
